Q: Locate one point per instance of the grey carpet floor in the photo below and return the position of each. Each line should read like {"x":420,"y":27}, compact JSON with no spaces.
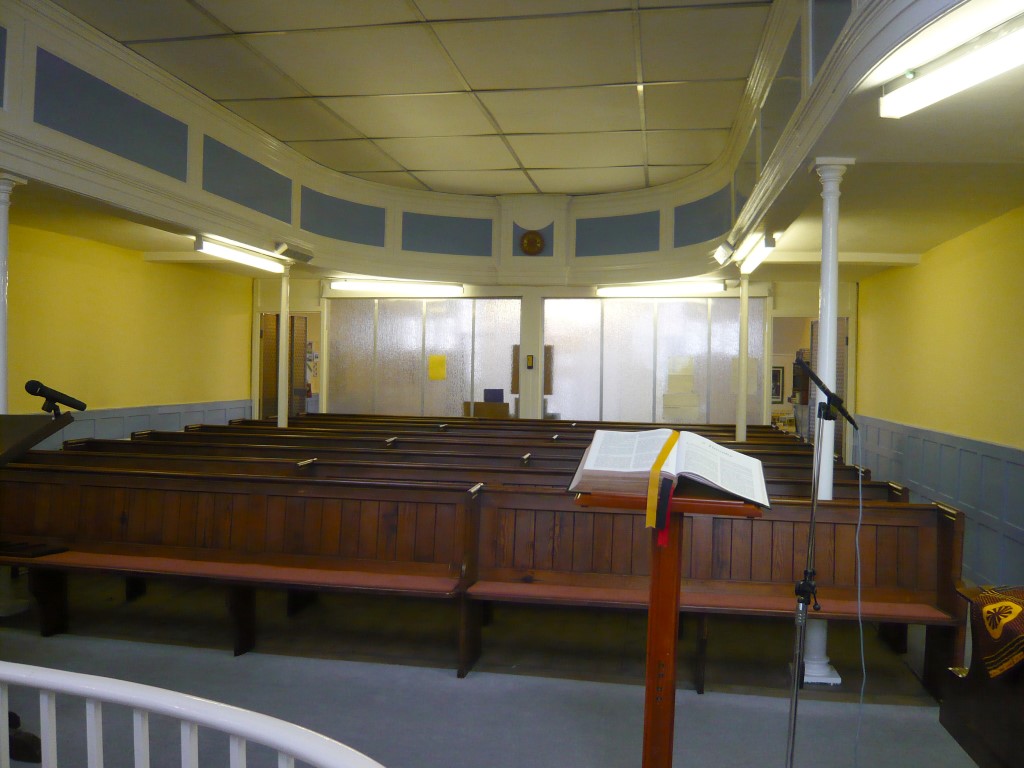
{"x":553,"y":688}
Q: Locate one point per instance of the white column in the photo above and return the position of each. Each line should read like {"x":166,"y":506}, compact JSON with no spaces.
{"x":9,"y":604}
{"x":283,"y":339}
{"x":744,"y":355}
{"x":7,"y":184}
{"x":830,"y":170}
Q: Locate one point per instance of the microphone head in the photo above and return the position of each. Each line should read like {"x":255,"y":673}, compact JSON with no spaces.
{"x":33,"y":387}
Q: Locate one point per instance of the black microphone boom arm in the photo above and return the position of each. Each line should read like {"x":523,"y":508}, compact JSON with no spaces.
{"x":832,"y":400}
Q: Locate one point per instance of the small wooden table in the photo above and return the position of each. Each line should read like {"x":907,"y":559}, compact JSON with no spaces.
{"x":663,"y":608}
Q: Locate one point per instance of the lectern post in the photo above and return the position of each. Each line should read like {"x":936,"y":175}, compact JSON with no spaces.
{"x":662,"y":634}
{"x":663,"y":608}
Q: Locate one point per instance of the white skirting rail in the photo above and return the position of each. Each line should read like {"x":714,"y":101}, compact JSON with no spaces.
{"x":291,"y":742}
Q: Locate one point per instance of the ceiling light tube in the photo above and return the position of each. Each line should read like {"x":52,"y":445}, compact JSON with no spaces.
{"x":238,"y":253}
{"x":993,"y":53}
{"x":723,"y":252}
{"x":667,"y":289}
{"x":755,"y":250}
{"x":403,"y":288}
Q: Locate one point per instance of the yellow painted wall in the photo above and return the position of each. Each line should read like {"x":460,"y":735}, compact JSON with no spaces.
{"x":103,"y":325}
{"x":941,"y":344}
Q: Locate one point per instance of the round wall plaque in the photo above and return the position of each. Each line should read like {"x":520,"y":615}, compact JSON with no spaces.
{"x":531,"y":243}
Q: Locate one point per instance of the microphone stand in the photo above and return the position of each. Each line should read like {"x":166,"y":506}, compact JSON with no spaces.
{"x":806,"y":589}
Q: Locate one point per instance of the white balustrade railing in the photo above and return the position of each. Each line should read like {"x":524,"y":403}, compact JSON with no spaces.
{"x":291,"y":742}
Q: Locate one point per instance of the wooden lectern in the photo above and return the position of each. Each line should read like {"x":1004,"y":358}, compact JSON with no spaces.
{"x":663,"y":608}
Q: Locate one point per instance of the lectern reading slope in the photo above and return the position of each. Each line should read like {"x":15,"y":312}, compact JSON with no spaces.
{"x":620,"y":463}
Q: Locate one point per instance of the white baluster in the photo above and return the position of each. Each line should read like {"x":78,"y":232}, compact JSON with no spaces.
{"x":94,"y":733}
{"x":140,"y":727}
{"x":189,"y":745}
{"x":237,"y":756}
{"x":48,"y":727}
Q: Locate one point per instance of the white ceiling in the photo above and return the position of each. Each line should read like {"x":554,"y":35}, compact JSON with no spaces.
{"x":466,"y":96}
{"x":523,"y":96}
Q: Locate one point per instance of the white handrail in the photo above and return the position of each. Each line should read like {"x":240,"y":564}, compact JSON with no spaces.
{"x":292,"y":742}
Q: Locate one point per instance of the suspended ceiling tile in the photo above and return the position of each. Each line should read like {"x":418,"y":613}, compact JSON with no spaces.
{"x":450,"y":153}
{"x":587,"y":181}
{"x":357,"y":62}
{"x":542,"y":53}
{"x":267,"y":15}
{"x":693,"y":105}
{"x":665,"y":174}
{"x":565,"y":110}
{"x":436,"y":114}
{"x":579,"y":150}
{"x":222,"y":68}
{"x":685,"y":147}
{"x":172,"y":18}
{"x":469,"y":9}
{"x":700,"y":43}
{"x":392,"y":179}
{"x":293,"y":119}
{"x":348,"y":156}
{"x":478,"y":182}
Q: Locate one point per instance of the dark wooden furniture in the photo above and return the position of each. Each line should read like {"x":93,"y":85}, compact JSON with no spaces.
{"x":380,"y":466}
{"x":399,"y":538}
{"x":534,"y":548}
{"x":985,"y":715}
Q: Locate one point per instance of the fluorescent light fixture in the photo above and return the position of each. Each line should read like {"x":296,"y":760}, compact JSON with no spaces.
{"x":239,"y":253}
{"x":754,"y":250}
{"x":723,"y":252}
{"x":997,"y":51}
{"x":403,"y":288}
{"x":666,"y":289}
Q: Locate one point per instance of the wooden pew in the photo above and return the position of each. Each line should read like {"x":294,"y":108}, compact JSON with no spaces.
{"x":547,"y":449}
{"x":224,"y":567}
{"x":326,"y":450}
{"x":382,"y":469}
{"x":395,"y":538}
{"x":540,"y":549}
{"x":516,"y":427}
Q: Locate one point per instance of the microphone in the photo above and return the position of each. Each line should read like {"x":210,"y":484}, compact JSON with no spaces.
{"x":52,"y":396}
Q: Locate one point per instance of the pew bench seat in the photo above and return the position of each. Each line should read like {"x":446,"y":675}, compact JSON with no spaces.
{"x":49,"y":586}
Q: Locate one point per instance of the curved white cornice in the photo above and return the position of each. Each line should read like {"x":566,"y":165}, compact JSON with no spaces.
{"x":874,"y":29}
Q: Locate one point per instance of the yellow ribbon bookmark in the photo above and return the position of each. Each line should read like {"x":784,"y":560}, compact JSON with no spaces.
{"x":653,"y":481}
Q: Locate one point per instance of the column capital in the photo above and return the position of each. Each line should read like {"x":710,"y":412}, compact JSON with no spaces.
{"x":828,"y":160}
{"x":9,"y":181}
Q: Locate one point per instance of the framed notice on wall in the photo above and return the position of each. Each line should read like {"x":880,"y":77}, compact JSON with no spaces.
{"x":778,"y":383}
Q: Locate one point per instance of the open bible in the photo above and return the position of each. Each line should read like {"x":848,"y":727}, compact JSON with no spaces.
{"x":620,"y":463}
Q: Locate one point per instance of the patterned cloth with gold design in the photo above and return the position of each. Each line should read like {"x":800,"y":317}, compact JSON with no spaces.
{"x":998,"y":616}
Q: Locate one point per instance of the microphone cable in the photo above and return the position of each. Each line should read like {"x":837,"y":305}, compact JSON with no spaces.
{"x":860,"y":618}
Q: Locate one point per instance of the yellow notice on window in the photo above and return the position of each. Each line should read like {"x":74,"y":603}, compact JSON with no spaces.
{"x":437,"y":367}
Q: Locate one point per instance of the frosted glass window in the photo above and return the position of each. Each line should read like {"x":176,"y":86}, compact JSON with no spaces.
{"x":723,"y":361}
{"x":667,"y":360}
{"x":496,"y":331}
{"x":417,"y":356}
{"x":351,"y":344}
{"x":682,"y":361}
{"x":573,"y":328}
{"x":399,"y":369}
{"x":448,"y":347}
{"x":628,"y":362}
